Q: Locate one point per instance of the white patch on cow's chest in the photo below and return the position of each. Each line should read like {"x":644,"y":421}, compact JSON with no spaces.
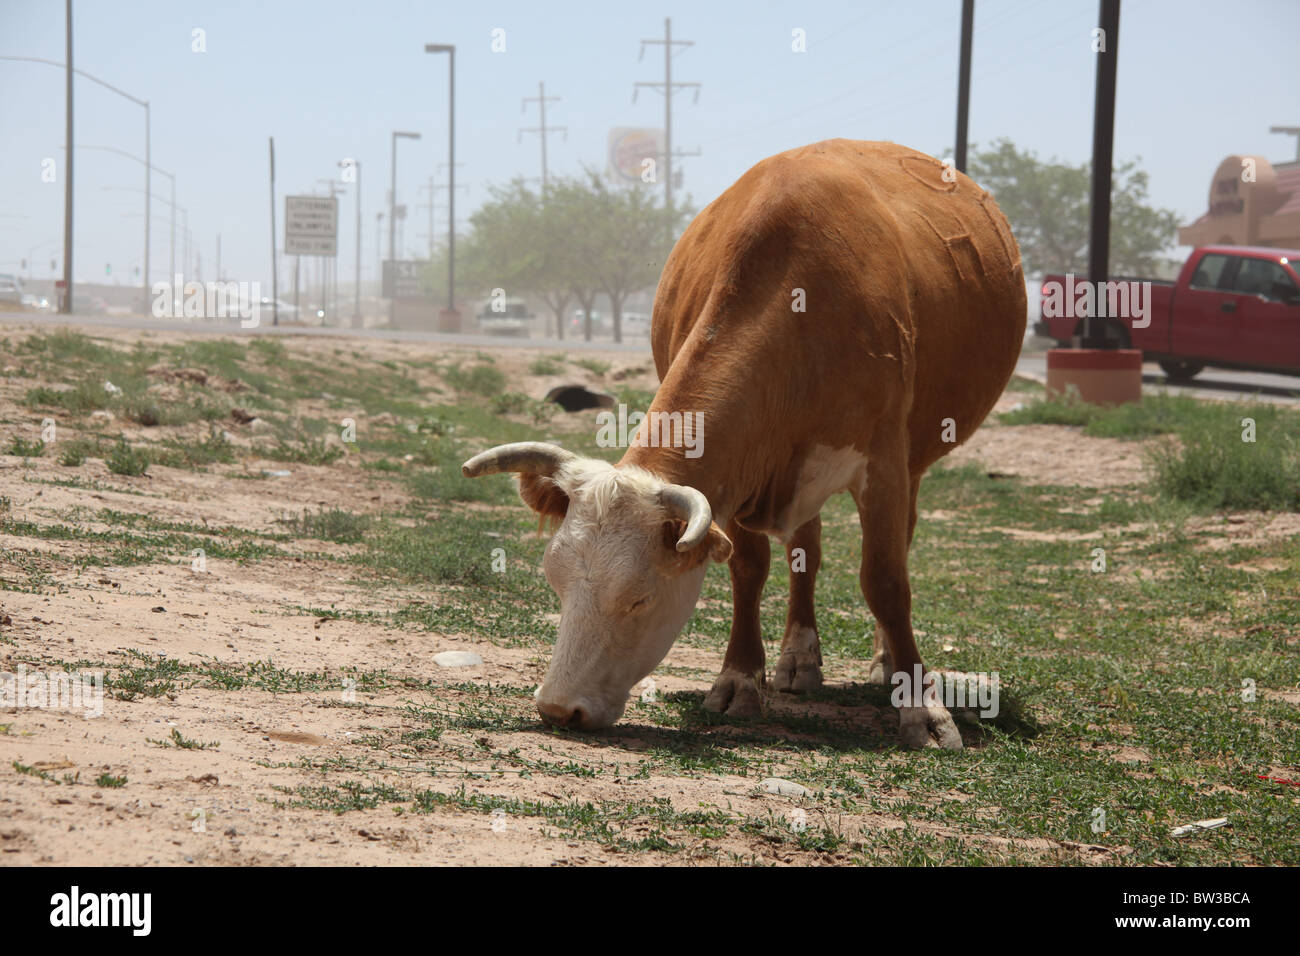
{"x":826,"y":471}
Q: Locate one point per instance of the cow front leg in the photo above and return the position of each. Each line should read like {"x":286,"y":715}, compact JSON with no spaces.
{"x":886,"y":508}
{"x":800,"y":668}
{"x":738,"y":690}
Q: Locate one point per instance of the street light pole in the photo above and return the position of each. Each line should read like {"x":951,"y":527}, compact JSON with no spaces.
{"x":148,"y":200}
{"x":69,"y":70}
{"x":450,"y":50}
{"x":392,"y":220}
{"x":356,"y":304}
{"x":66,"y":305}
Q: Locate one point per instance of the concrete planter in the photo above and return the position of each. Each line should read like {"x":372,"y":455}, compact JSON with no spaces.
{"x":1101,"y":376}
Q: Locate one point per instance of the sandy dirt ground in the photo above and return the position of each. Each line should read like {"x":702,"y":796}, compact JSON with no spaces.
{"x":232,"y":802}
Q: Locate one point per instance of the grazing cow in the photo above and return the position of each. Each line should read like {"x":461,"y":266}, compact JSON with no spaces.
{"x":842,"y":317}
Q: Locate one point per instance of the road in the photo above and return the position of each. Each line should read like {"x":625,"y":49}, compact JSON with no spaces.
{"x":1211,"y":383}
{"x":231,"y":327}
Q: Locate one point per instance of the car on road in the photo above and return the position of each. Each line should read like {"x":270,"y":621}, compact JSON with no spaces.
{"x":1235,"y":307}
{"x":511,"y":318}
{"x":11,"y":288}
{"x":267,"y":307}
{"x":36,"y":303}
{"x":89,"y":304}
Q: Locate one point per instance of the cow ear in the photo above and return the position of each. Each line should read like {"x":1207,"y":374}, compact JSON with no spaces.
{"x":544,"y":496}
{"x":716,"y":544}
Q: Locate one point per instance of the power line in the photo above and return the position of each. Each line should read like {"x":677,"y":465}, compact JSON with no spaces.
{"x":541,"y":99}
{"x":667,"y":87}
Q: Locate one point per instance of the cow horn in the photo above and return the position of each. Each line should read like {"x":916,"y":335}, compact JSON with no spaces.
{"x":692,"y":507}
{"x":531,"y":457}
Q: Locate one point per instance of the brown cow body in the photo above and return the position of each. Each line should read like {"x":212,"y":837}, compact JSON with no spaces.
{"x":915,"y":314}
{"x":841,"y":318}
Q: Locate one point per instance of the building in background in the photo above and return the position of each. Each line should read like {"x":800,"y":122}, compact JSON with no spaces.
{"x":1252,"y":203}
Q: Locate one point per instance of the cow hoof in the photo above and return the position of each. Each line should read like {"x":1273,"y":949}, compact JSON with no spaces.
{"x":928,"y":727}
{"x":800,"y":668}
{"x":798,"y":672}
{"x":735,"y":694}
{"x":881,"y":669}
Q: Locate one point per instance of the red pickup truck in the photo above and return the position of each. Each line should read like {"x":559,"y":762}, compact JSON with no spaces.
{"x":1231,"y":307}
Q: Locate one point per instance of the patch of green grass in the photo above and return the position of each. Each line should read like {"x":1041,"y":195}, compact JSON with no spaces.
{"x":335,"y":524}
{"x":126,"y":460}
{"x":508,"y":403}
{"x":216,"y":448}
{"x":73,"y":454}
{"x":593,"y":365}
{"x":545,"y":366}
{"x":181,"y":742}
{"x":481,"y":379}
{"x":305,"y":451}
{"x":1216,"y":469}
{"x":24,"y":448}
{"x":86,"y":396}
{"x":108,"y":781}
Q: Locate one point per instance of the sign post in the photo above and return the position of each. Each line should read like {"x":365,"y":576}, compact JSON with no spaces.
{"x":311,"y":227}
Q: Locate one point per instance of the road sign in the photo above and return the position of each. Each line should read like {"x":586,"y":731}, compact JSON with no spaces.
{"x":628,"y":151}
{"x":311,"y":225}
{"x":402,"y":278}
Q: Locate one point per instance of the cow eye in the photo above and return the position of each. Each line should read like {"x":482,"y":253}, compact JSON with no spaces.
{"x":638,"y":604}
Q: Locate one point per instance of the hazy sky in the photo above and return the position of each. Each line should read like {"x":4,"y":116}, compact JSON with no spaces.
{"x":331,"y":79}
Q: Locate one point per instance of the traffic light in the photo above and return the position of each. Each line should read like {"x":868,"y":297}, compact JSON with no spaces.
{"x":108,"y":268}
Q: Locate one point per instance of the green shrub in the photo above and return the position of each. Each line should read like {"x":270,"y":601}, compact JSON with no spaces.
{"x":73,"y":454}
{"x":125,"y":460}
{"x":26,"y":449}
{"x":1214,"y":468}
{"x":545,"y":366}
{"x":307,"y":451}
{"x":483,"y":379}
{"x":214,"y":449}
{"x":336,"y":524}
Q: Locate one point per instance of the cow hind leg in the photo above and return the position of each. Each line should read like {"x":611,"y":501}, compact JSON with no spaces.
{"x":882,"y":665}
{"x":799,"y":669}
{"x":885,"y":508}
{"x":737,"y":690}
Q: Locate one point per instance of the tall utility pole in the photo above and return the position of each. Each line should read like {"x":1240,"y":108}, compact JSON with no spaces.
{"x":450,"y":50}
{"x":541,"y":100}
{"x":392,"y":218}
{"x":66,"y":307}
{"x":667,"y":87}
{"x":1103,"y":146}
{"x":356,"y":302}
{"x":963,"y":83}
{"x":148,"y":187}
{"x":275,"y":267}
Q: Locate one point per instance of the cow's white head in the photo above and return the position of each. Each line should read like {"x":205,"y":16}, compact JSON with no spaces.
{"x":627,"y":562}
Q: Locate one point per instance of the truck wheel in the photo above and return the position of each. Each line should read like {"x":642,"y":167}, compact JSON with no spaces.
{"x":1181,"y":370}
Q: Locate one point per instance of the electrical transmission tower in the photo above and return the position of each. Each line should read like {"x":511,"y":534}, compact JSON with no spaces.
{"x":541,"y":99}
{"x":668,"y":87}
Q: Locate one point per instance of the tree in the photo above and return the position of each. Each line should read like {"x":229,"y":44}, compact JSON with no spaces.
{"x":623,"y":236}
{"x":1048,"y":204}
{"x":510,"y":247}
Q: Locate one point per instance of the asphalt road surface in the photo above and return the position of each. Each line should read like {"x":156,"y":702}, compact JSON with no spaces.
{"x":1211,"y":383}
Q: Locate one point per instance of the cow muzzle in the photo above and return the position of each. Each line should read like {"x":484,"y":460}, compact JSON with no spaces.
{"x":576,"y":714}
